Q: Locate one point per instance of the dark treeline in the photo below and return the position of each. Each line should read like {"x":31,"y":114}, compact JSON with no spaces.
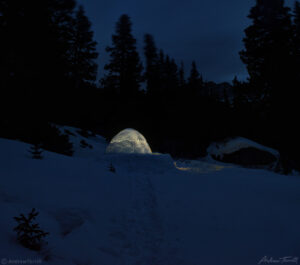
{"x":48,"y":74}
{"x":47,"y":70}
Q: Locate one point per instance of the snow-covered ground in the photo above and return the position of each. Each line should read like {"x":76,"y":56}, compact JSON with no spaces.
{"x":151,"y":211}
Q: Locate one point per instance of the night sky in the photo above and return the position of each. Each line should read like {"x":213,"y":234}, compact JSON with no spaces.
{"x":209,"y":32}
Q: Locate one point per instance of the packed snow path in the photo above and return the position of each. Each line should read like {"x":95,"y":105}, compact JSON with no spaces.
{"x":140,"y":229}
{"x":139,"y":233}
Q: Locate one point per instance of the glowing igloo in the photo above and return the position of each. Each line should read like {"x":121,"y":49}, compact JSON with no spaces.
{"x":129,"y":141}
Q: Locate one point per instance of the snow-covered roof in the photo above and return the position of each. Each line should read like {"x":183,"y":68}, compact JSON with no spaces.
{"x":129,"y":141}
{"x":233,"y":145}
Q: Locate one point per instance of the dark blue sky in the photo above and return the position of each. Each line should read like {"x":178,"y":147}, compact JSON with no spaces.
{"x":209,"y":32}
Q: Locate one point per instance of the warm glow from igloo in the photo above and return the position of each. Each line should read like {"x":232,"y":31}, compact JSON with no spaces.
{"x":129,"y":141}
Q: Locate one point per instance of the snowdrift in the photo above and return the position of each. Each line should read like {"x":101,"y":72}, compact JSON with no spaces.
{"x":244,"y":152}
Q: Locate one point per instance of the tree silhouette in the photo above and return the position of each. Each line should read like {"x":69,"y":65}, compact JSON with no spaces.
{"x":297,"y":23}
{"x":152,"y":69}
{"x":35,"y":47}
{"x":124,"y":69}
{"x":268,"y":46}
{"x":195,"y":82}
{"x":36,"y":151}
{"x":83,"y":70}
{"x":83,"y":50}
{"x":297,"y":41}
{"x":181,"y":75}
{"x":30,"y":235}
{"x":171,"y":75}
{"x":270,"y":55}
{"x":161,"y":66}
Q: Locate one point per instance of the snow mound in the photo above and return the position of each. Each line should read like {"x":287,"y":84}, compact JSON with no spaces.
{"x":236,"y":144}
{"x":129,"y":141}
{"x":244,"y":152}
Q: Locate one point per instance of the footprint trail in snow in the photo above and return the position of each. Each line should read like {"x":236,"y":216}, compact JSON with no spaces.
{"x":140,"y":233}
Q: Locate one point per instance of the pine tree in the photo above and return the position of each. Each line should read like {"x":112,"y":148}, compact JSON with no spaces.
{"x":238,"y":97}
{"x":60,"y":87}
{"x":297,"y":23}
{"x":181,"y":74}
{"x":269,"y":57}
{"x":38,"y":70}
{"x":83,"y":71}
{"x":152,"y":69}
{"x":36,"y":151}
{"x":297,"y":18}
{"x":172,"y":78}
{"x":84,"y":53}
{"x":268,"y":47}
{"x":226,"y":98}
{"x":195,"y":81}
{"x":29,"y":234}
{"x":124,"y":69}
{"x":297,"y":41}
{"x":162,"y":72}
{"x":111,"y":168}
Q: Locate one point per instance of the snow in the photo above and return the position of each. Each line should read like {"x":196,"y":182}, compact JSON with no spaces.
{"x":233,"y":145}
{"x":151,"y":211}
{"x":96,"y":144}
{"x":129,"y":141}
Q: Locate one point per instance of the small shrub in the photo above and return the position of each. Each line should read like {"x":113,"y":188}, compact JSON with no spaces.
{"x":84,"y":144}
{"x":36,"y":151}
{"x":29,"y":234}
{"x":112,"y":168}
{"x":69,"y":132}
{"x":85,"y":133}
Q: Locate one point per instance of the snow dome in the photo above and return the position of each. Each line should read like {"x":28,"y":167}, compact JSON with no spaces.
{"x":129,"y":141}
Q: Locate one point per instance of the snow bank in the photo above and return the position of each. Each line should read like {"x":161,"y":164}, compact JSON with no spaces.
{"x":233,"y":145}
{"x":85,"y":144}
{"x":244,"y":152}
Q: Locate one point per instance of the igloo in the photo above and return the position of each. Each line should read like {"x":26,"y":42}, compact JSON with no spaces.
{"x":129,"y":141}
